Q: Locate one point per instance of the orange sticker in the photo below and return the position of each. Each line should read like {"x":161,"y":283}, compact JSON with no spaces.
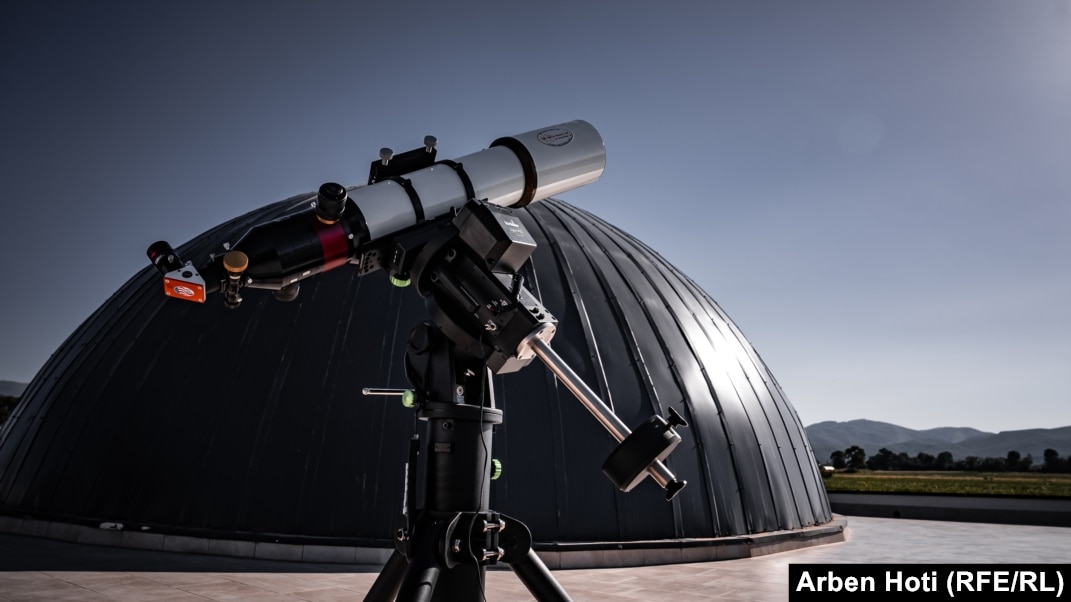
{"x":184,"y":290}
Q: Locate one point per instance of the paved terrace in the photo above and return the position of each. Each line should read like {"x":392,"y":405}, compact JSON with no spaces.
{"x":42,"y":569}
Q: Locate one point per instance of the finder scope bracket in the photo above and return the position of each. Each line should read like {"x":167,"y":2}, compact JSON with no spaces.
{"x":390,"y":165}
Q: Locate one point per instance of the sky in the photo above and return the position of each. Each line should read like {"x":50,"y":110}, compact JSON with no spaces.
{"x":878,"y":193}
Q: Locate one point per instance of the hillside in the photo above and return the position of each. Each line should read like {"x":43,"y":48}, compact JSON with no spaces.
{"x":11,"y":388}
{"x":827,"y":437}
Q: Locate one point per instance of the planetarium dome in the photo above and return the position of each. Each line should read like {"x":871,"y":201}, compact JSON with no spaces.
{"x":249,"y":424}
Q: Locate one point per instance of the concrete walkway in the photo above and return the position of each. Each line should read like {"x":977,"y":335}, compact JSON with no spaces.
{"x":41,"y":569}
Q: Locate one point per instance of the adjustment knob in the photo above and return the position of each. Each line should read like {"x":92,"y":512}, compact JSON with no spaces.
{"x":235,"y":262}
{"x":675,"y":419}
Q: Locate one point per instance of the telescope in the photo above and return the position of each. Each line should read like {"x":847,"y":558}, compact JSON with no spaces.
{"x":355,"y":225}
{"x":449,"y":229}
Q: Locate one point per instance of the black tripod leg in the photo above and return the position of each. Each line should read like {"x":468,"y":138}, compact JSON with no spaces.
{"x":386,"y":587}
{"x":516,"y":542}
{"x":422,"y":576}
{"x":537,"y":578}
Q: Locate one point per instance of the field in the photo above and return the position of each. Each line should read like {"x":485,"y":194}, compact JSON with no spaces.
{"x":952,"y":483}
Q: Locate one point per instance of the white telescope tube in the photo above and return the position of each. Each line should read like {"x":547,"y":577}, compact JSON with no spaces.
{"x":513,"y":172}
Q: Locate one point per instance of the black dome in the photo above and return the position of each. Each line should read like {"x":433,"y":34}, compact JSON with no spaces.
{"x":198,"y":419}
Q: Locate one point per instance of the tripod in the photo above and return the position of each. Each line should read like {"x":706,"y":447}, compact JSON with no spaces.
{"x":484,"y":321}
{"x":443,"y":554}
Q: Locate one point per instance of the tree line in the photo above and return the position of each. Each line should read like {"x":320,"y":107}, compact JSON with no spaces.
{"x":855,"y":458}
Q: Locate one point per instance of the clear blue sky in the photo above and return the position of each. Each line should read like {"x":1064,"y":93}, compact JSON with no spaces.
{"x":877,"y":192}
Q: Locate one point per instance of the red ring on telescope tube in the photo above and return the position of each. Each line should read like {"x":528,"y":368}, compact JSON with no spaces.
{"x":334,"y":243}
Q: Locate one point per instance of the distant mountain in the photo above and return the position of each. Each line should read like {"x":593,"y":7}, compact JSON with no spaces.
{"x":11,"y":388}
{"x":827,"y":437}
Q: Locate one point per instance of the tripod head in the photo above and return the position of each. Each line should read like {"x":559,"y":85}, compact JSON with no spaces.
{"x":448,"y":228}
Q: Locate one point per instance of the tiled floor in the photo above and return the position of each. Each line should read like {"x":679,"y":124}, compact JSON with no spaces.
{"x":38,"y":569}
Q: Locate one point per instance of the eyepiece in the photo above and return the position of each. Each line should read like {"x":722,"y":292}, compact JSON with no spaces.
{"x":330,"y":201}
{"x":163,"y":257}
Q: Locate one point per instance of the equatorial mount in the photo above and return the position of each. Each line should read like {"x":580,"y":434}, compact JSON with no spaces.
{"x":484,"y":320}
{"x":470,"y":272}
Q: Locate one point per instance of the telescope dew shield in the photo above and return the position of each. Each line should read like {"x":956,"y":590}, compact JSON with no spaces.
{"x":513,"y":172}
{"x":556,"y":159}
